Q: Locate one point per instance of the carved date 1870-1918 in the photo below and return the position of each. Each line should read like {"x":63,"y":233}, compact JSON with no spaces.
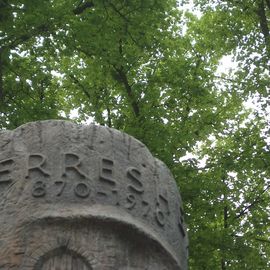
{"x":84,"y":188}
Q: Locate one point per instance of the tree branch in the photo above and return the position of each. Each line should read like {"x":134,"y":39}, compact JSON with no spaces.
{"x":264,"y":25}
{"x":251,"y":238}
{"x":77,"y":82}
{"x":119,"y":13}
{"x":109,"y":121}
{"x":83,"y":51}
{"x":226,"y":79}
{"x":248,"y":207}
{"x":262,"y":240}
{"x":12,"y":44}
{"x":82,"y":7}
{"x":122,"y":78}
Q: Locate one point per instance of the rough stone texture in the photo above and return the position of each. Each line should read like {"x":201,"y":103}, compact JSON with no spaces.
{"x":86,"y":197}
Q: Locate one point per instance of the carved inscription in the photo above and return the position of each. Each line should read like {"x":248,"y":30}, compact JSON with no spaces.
{"x":61,"y":185}
{"x":73,"y":166}
{"x":134,"y":175}
{"x":146,"y":208}
{"x":131,"y":201}
{"x":36,"y":162}
{"x":5,"y":170}
{"x":106,"y":171}
{"x":39,"y":189}
{"x":162,"y":209}
{"x":106,"y":178}
{"x":160,"y":217}
{"x":72,"y":162}
{"x":116,"y":195}
{"x":82,"y":190}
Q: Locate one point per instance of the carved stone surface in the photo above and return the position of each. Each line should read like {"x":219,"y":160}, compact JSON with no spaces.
{"x":86,"y":197}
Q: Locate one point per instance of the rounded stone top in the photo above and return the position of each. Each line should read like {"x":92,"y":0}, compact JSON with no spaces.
{"x":58,"y":169}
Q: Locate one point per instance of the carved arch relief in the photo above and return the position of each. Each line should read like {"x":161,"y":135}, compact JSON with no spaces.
{"x":62,"y":259}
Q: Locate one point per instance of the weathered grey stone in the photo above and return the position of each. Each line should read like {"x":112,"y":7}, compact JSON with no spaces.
{"x":86,"y":197}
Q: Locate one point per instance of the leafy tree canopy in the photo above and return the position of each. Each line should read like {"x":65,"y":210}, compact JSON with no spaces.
{"x":150,"y":68}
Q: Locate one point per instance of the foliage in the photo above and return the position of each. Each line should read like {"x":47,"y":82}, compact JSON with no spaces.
{"x":150,"y":69}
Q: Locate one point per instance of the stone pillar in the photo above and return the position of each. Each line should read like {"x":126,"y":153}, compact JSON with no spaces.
{"x":86,"y":197}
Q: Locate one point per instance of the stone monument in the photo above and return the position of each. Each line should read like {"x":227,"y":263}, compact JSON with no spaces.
{"x":86,"y":197}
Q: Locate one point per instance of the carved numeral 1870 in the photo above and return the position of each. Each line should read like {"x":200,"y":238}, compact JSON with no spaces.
{"x":82,"y":190}
{"x":61,"y":185}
